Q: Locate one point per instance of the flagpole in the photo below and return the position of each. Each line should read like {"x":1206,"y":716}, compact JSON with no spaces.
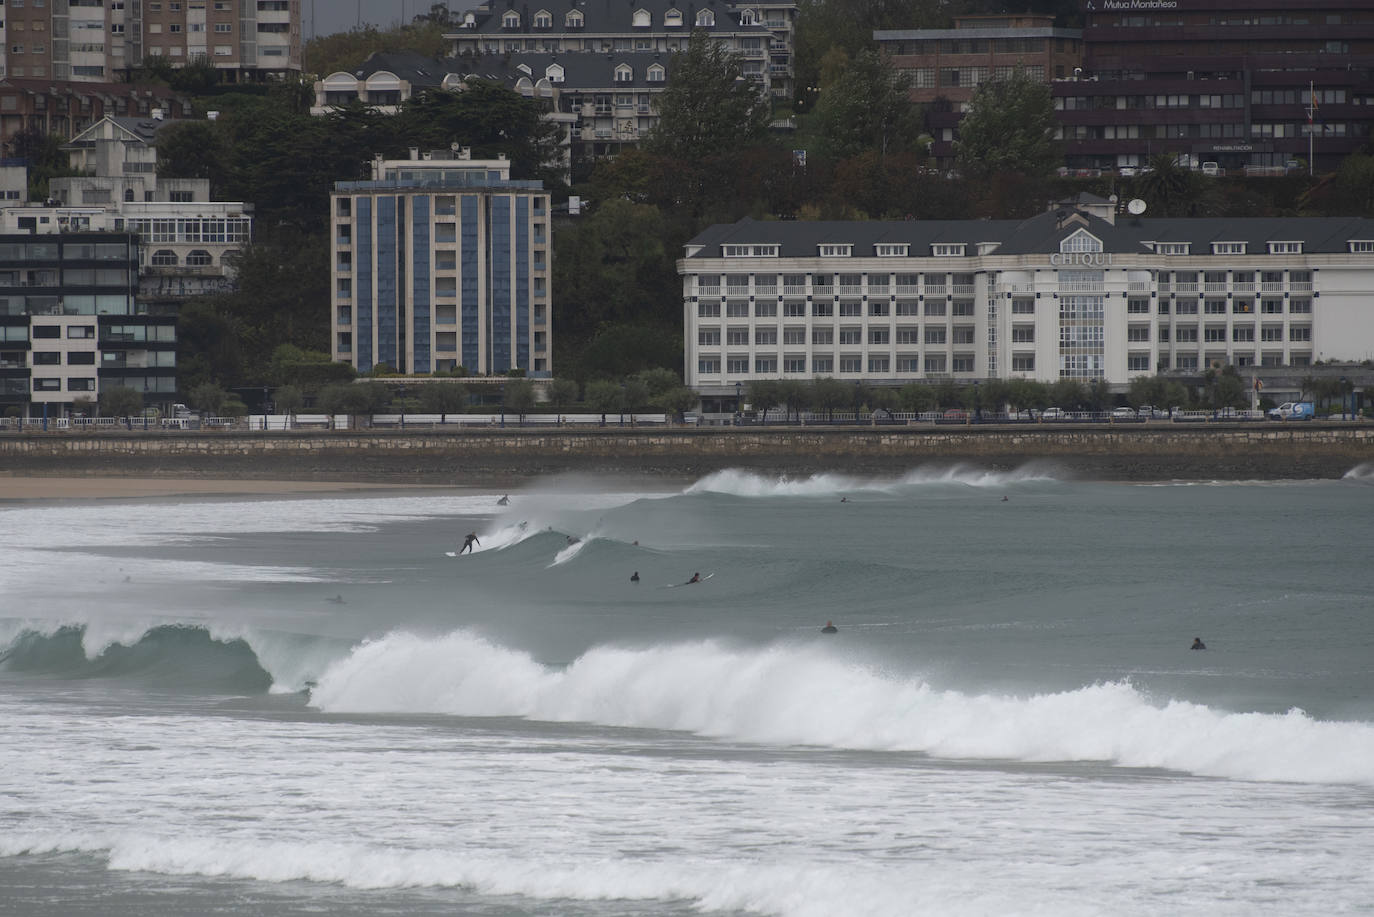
{"x":1311,"y":123}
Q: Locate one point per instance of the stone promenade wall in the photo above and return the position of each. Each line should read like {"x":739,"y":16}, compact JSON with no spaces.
{"x":1147,"y":452}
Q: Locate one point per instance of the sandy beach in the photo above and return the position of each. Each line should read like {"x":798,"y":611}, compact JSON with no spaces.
{"x":107,"y":488}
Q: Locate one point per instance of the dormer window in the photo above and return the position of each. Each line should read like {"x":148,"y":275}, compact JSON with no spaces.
{"x":706,"y":19}
{"x":1171,"y":248}
{"x":749,"y":251}
{"x":835,"y":251}
{"x":1081,"y":241}
{"x":987,"y":248}
{"x":1362,"y":246}
{"x":641,"y":19}
{"x":890,"y":250}
{"x":554,"y":72}
{"x":746,"y":17}
{"x":1228,"y":248}
{"x":672,"y":18}
{"x":623,"y":74}
{"x":543,"y":20}
{"x":947,"y":249}
{"x":1285,"y":248}
{"x":511,"y":20}
{"x":655,"y":74}
{"x":574,"y":19}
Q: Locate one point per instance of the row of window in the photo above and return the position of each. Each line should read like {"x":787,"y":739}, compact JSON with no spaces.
{"x":933,"y":334}
{"x":958,"y":250}
{"x":639,"y":19}
{"x":904,"y":364}
{"x":1298,"y":305}
{"x":850,"y":309}
{"x":193,"y":229}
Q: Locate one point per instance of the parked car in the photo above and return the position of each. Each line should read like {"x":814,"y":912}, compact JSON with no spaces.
{"x":1053,"y":414}
{"x":1124,"y":414}
{"x":956,"y":414}
{"x":1292,"y":410}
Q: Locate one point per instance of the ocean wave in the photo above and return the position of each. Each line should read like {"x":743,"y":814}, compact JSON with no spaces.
{"x":790,"y":695}
{"x":1363,"y":472}
{"x":795,"y":889}
{"x":180,"y":656}
{"x":742,"y":483}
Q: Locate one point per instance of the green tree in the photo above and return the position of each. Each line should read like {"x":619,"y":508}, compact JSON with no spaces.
{"x":207,"y":346}
{"x":290,"y":399}
{"x":1171,"y":189}
{"x":636,"y":395}
{"x":827,"y":394}
{"x":208,"y":398}
{"x":562,"y":392}
{"x":518,"y":397}
{"x":346,"y":51}
{"x":46,"y":159}
{"x":916,"y":397}
{"x":1009,"y":129}
{"x":443,"y":398}
{"x":763,"y":395}
{"x":707,"y":106}
{"x":869,"y":108}
{"x":678,"y":400}
{"x":1068,"y":394}
{"x":604,"y":397}
{"x":120,"y":401}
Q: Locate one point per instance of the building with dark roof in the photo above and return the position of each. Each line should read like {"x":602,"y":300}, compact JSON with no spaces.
{"x":1066,"y":294}
{"x":760,"y":33}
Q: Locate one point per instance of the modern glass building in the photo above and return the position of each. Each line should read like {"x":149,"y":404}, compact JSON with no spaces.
{"x":439,"y":262}
{"x":71,"y":324}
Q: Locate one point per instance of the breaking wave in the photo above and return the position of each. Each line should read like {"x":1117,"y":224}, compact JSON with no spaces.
{"x":790,"y":695}
{"x":750,"y":484}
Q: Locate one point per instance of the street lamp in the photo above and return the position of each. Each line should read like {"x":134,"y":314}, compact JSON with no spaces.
{"x":739,"y":388}
{"x":1343,"y":394}
{"x":622,"y":404}
{"x":977,"y":406}
{"x":401,"y":396}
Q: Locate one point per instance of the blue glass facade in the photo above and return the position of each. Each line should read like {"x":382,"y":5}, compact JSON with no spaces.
{"x":420,"y":303}
{"x":387,"y":351}
{"x":470,"y":270}
{"x":500,"y":247}
{"x":362,"y":254}
{"x":522,"y":282}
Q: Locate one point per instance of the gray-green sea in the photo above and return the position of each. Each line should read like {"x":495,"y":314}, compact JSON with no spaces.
{"x":300,"y":706}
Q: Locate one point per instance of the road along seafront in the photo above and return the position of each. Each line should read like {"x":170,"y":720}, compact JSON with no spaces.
{"x":1108,"y":453}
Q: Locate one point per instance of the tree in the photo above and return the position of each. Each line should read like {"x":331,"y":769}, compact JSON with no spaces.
{"x":290,"y":399}
{"x":916,"y":397}
{"x":1009,"y":128}
{"x":358,"y":398}
{"x":636,"y":395}
{"x":443,"y":398}
{"x":562,"y":392}
{"x":795,"y":396}
{"x":120,"y":401}
{"x":1173,"y":190}
{"x":868,"y":108}
{"x":208,"y":398}
{"x":1068,"y":394}
{"x":763,"y":395}
{"x":827,"y":394}
{"x":46,"y":159}
{"x":707,"y":105}
{"x":207,"y":346}
{"x":518,"y":397}
{"x":604,"y":397}
{"x":678,"y":400}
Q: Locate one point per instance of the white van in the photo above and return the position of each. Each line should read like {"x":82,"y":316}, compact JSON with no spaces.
{"x":1211,"y":168}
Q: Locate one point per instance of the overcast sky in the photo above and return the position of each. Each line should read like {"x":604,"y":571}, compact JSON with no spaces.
{"x":324,"y":17}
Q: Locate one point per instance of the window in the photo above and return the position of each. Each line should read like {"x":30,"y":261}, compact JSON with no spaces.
{"x":822,"y":365}
{"x":1137,"y":306}
{"x":877,"y":309}
{"x":851,"y":336}
{"x":890,"y":251}
{"x":81,"y":358}
{"x":794,"y":364}
{"x":510,"y":20}
{"x":1138,"y":363}
{"x":708,"y":337}
{"x":794,"y":336}
{"x":708,"y":365}
{"x":223,"y":27}
{"x":935,"y":335}
{"x":766,"y":365}
{"x":962,"y":363}
{"x":822,"y":336}
{"x":623,"y":74}
{"x":1171,"y":248}
{"x":794,"y":310}
{"x":1228,"y":248}
{"x":962,"y":307}
{"x":766,"y":309}
{"x":164,"y":258}
{"x":1302,"y":306}
{"x":1023,"y":362}
{"x":947,"y":250}
{"x":745,"y":251}
{"x":1023,"y":307}
{"x":851,"y":364}
{"x":708,"y":310}
{"x":706,"y":19}
{"x":1300,"y":333}
{"x":935,"y":363}
{"x":672,"y":18}
{"x":935,"y":307}
{"x":737,"y":337}
{"x":78,"y":332}
{"x":835,"y":251}
{"x":878,"y":336}
{"x":1362,"y":247}
{"x":1023,"y":334}
{"x":737,"y":365}
{"x":573,"y":20}
{"x":641,"y":19}
{"x":199,"y":258}
{"x":1081,"y":241}
{"x":543,"y":20}
{"x":879,"y":364}
{"x":766,"y":336}
{"x":1285,"y":248}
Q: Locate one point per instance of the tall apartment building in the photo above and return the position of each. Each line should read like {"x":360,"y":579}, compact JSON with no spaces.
{"x":440,"y":261}
{"x":1068,"y":294}
{"x":1252,"y":85}
{"x":71,"y":324}
{"x":101,"y":40}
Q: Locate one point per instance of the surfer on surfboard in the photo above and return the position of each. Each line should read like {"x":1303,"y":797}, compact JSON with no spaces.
{"x":469,"y":541}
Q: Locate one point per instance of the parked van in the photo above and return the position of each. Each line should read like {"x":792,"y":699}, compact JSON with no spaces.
{"x":1293,"y":410}
{"x":1211,"y":168}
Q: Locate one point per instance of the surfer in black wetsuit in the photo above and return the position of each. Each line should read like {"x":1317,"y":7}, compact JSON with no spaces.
{"x":696,"y":578}
{"x":504,"y":501}
{"x":635,"y":577}
{"x":469,"y":541}
{"x":1198,"y":644}
{"x":830,"y":628}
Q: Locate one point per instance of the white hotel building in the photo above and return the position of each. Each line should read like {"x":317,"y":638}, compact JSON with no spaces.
{"x":1066,"y":294}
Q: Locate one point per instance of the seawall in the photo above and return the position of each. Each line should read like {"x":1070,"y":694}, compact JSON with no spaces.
{"x":1125,"y":453}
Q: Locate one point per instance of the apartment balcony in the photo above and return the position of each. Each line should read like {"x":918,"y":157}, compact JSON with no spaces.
{"x":1301,"y":286}
{"x":850,"y":289}
{"x":1214,"y":288}
{"x":963,"y":289}
{"x":708,"y":291}
{"x":932,"y":290}
{"x":1271,"y":287}
{"x":1185,"y":287}
{"x":794,"y":289}
{"x":1243,"y":288}
{"x":768,"y":290}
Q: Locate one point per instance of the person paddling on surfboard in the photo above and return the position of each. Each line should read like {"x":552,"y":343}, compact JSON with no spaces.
{"x":469,"y":541}
{"x":830,"y":628}
{"x":696,"y":578}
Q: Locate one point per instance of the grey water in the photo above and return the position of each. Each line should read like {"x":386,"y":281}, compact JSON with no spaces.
{"x":287,"y":706}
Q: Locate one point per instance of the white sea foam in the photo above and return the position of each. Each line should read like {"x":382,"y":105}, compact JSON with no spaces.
{"x":750,"y":484}
{"x":809,"y":696}
{"x":794,"y":889}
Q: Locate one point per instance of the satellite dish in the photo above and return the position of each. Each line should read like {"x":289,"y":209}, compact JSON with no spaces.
{"x":1136,"y":206}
